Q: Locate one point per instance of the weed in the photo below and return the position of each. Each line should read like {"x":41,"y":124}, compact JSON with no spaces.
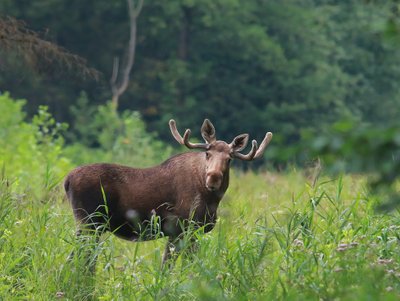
{"x":277,"y":238}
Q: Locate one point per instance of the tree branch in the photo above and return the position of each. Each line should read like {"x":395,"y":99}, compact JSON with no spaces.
{"x":16,"y":38}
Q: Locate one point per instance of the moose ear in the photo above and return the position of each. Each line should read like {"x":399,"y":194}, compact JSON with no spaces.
{"x":239,"y":142}
{"x":208,"y":131}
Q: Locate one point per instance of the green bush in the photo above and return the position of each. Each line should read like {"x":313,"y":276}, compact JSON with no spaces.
{"x":348,"y":146}
{"x":31,"y":153}
{"x":109,"y":136}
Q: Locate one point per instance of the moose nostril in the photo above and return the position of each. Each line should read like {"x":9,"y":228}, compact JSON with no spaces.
{"x":214,"y":180}
{"x":214,"y":174}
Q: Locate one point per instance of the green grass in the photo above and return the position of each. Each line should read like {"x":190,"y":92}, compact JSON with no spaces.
{"x":277,"y":238}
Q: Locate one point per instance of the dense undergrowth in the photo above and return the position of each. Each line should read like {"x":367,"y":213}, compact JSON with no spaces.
{"x":279,"y":236}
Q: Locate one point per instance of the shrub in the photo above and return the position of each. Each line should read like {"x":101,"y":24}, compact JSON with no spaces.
{"x":110,"y":136}
{"x":31,"y":152}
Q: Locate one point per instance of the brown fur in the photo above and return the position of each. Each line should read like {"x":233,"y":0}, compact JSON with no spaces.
{"x":174,"y":191}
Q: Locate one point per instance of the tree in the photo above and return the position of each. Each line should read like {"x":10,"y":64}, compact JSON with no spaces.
{"x":118,"y":88}
{"x":257,"y":64}
{"x":18,"y":40}
{"x":285,"y":66}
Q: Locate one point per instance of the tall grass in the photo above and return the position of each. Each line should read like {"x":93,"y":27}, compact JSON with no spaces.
{"x":277,"y":238}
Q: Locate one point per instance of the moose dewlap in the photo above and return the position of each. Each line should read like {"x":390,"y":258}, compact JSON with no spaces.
{"x":136,"y":204}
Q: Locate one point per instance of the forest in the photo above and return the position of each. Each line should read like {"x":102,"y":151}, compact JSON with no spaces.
{"x":322,"y":75}
{"x":283,"y":65}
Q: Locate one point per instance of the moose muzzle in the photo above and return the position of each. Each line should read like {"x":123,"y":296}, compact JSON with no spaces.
{"x":214,"y":180}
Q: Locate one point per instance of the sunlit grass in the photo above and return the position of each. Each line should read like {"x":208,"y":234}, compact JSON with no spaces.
{"x":277,"y":237}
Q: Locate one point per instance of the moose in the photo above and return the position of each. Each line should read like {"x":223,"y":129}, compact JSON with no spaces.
{"x":132,"y":202}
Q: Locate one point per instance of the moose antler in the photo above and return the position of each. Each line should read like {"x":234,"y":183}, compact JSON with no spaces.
{"x":255,"y":152}
{"x":185,"y":140}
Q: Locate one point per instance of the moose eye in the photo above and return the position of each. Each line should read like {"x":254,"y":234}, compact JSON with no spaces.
{"x":208,"y":155}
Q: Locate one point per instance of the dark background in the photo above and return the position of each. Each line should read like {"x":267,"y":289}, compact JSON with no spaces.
{"x":249,"y":66}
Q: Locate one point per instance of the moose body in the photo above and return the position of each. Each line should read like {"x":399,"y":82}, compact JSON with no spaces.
{"x":172,"y":190}
{"x":186,"y":187}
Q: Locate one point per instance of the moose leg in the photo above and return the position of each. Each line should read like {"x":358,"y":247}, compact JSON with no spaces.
{"x":175,"y":246}
{"x":85,"y":249}
{"x":171,"y":252}
{"x":185,"y":242}
{"x":190,"y":247}
{"x":71,"y":255}
{"x":90,"y":227}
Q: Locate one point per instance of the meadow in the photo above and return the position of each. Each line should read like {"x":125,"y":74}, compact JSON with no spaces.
{"x":279,"y":236}
{"x":323,"y":76}
{"x":293,"y":235}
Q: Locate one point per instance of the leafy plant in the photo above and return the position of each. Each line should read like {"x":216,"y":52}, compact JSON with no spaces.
{"x":363,"y":148}
{"x":114,"y":136}
{"x":31,"y":154}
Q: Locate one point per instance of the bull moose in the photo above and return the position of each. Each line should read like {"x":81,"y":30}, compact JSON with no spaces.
{"x":187,"y":186}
